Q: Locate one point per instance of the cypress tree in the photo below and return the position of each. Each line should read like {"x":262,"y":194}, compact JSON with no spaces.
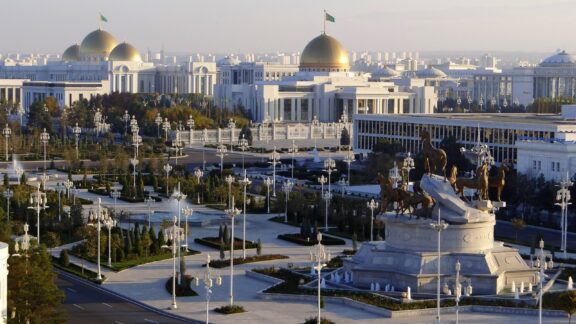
{"x":154,"y":246}
{"x":161,"y":240}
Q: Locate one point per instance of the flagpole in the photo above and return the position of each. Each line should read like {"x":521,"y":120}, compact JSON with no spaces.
{"x":99,"y":21}
{"x":324,"y":21}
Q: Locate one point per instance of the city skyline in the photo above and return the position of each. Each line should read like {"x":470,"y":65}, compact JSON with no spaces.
{"x":226,"y":27}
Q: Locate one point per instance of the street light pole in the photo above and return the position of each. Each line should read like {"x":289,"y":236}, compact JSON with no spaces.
{"x":77,"y":130}
{"x":38,"y":198}
{"x":287,"y":188}
{"x":232,"y":212}
{"x":244,"y":182}
{"x":190,"y":123}
{"x":438,"y":227}
{"x":173,"y":234}
{"x":149,"y":201}
{"x":231,"y":126}
{"x":243,"y":146}
{"x":372,"y":205}
{"x":44,"y":138}
{"x":7,"y":131}
{"x":274,"y":157}
{"x":563,"y":198}
{"x":158,"y":121}
{"x":110,"y":223}
{"x":327,"y":197}
{"x":208,"y":284}
{"x":8,"y":193}
{"x":229,"y":180}
{"x":98,"y":216}
{"x":293,"y":149}
{"x":268,"y":183}
{"x":348,"y":160}
{"x":167,"y":168}
{"x":199,"y":174}
{"x":187,"y":211}
{"x":221,"y":151}
{"x":319,"y":256}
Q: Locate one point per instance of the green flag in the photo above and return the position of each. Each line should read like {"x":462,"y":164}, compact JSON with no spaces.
{"x":102,"y":18}
{"x":330,"y":18}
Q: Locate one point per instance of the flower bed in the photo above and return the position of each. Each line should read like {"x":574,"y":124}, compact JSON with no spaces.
{"x":230,"y":309}
{"x":296,"y":238}
{"x":251,"y":259}
{"x":184,"y":289}
{"x":214,"y":242}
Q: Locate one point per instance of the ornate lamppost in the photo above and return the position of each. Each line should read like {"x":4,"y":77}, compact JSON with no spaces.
{"x":329,"y":167}
{"x":208,"y":284}
{"x":231,"y":127}
{"x":287,"y":188}
{"x":274,"y":157}
{"x":149,"y":201}
{"x":174,"y":234}
{"x":543,"y":266}
{"x":268,"y":183}
{"x":232,"y":212}
{"x":166,"y":128}
{"x":372,"y":205}
{"x":8,"y":193}
{"x":327,"y":196}
{"x":394,"y":175}
{"x":115,"y":194}
{"x":167,"y":168}
{"x":458,"y":288}
{"x":407,"y":166}
{"x":38,"y":198}
{"x":229,"y":179}
{"x":7,"y":131}
{"x":190,"y":124}
{"x":126,"y":119}
{"x":563,"y":200}
{"x":348,"y":159}
{"x":179,"y":196}
{"x":220,"y":152}
{"x":204,"y":139}
{"x":19,"y":171}
{"x":438,"y":227}
{"x":44,"y":138}
{"x":293,"y":149}
{"x":134,"y":162}
{"x":68,"y":184}
{"x":187,"y":211}
{"x":158,"y":121}
{"x":109,"y":224}
{"x":77,"y":130}
{"x":98,"y":216}
{"x":243,"y":146}
{"x":319,"y":256}
{"x":198,"y":174}
{"x":244,"y":182}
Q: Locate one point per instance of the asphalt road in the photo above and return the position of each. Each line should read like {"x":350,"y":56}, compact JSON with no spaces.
{"x":87,"y":303}
{"x":529,"y":233}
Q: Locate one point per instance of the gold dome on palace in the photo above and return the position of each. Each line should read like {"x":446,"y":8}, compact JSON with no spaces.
{"x":125,"y":52}
{"x":98,"y":42}
{"x":72,"y":53}
{"x":324,"y":53}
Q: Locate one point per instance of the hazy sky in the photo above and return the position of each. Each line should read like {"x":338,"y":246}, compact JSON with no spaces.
{"x":221,"y":26}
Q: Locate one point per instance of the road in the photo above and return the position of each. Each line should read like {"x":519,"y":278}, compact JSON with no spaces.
{"x":529,"y":233}
{"x":87,"y":303}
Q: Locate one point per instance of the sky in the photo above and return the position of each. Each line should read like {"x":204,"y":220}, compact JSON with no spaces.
{"x":256,"y":26}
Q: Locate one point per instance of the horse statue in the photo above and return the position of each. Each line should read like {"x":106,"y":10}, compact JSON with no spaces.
{"x":434,"y":158}
{"x":480,"y":183}
{"x":389,"y":194}
{"x":452,"y":177}
{"x":419,"y":197}
{"x":499,"y":180}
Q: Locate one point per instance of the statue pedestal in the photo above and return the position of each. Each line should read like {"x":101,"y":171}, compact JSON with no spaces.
{"x":409,"y":257}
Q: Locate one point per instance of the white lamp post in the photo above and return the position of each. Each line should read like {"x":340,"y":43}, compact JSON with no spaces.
{"x":166,"y":128}
{"x":438,"y":227}
{"x":229,"y":180}
{"x":167,"y":168}
{"x":38,"y":198}
{"x":287,"y":188}
{"x":7,"y":131}
{"x":319,"y":256}
{"x":293,"y":149}
{"x":134,"y":163}
{"x":187,"y":211}
{"x":348,"y":159}
{"x":220,"y":152}
{"x":208,"y":284}
{"x":99,"y":216}
{"x":126,"y":119}
{"x":43,"y":179}
{"x":244,"y":182}
{"x":327,"y":196}
{"x":372,"y":205}
{"x":543,"y":265}
{"x":115,"y":194}
{"x":232,"y":212}
{"x":179,"y":196}
{"x":563,"y":200}
{"x":244,"y":145}
{"x":329,"y":167}
{"x":231,"y":127}
{"x":59,"y":189}
{"x":198,"y":174}
{"x":149,"y":201}
{"x":458,"y":288}
{"x":77,"y":130}
{"x":158,"y":121}
{"x":44,"y":138}
{"x":274,"y":157}
{"x":407,"y":166}
{"x":190,"y":123}
{"x":395,"y":176}
{"x":8,"y":193}
{"x":19,"y":171}
{"x":268,"y":183}
{"x":109,"y":223}
{"x":174,"y":234}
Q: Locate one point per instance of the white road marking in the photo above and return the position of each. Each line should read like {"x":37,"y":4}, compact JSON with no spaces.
{"x":151,"y":321}
{"x":78,"y":306}
{"x":72,"y":290}
{"x":107,"y":305}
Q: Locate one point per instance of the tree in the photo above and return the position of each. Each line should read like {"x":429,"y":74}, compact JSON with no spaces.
{"x":226,"y":235}
{"x":345,"y":137}
{"x":222,"y":255}
{"x":182,"y":270}
{"x":154,"y":246}
{"x":518,"y":224}
{"x":145,"y":241}
{"x":64,"y":258}
{"x":565,"y":301}
{"x":161,"y":240}
{"x":259,"y":247}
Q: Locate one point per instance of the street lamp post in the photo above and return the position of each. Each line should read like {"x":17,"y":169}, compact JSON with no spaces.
{"x":458,"y":288}
{"x":268,"y":183}
{"x":8,"y":193}
{"x":43,"y":179}
{"x":563,"y":200}
{"x":438,"y":227}
{"x":204,"y":149}
{"x":319,"y":256}
{"x":348,"y":159}
{"x":174,"y":234}
{"x":372,"y":205}
{"x":134,"y":163}
{"x":7,"y":131}
{"x":231,"y":126}
{"x":220,"y":152}
{"x":190,"y":123}
{"x":287,"y":188}
{"x":208,"y":284}
{"x":198,"y":174}
{"x":179,"y":196}
{"x":244,"y":182}
{"x":115,"y":194}
{"x":407,"y":166}
{"x":126,"y":119}
{"x":68,"y":184}
{"x":158,"y":121}
{"x":327,"y":196}
{"x":167,"y":168}
{"x":100,"y":215}
{"x":19,"y":171}
{"x":329,"y":167}
{"x":149,"y":201}
{"x":44,"y":138}
{"x":38,"y":198}
{"x":187,"y":211}
{"x":243,"y":146}
{"x":109,"y":223}
{"x":232,"y":212}
{"x":77,"y":130}
{"x":395,"y":176}
{"x":293,"y":149}
{"x":274,"y":157}
{"x":166,"y":128}
{"x":229,"y":179}
{"x":59,"y":189}
{"x":543,"y":265}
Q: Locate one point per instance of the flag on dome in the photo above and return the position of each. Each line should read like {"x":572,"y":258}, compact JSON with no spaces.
{"x":102,"y":18}
{"x":329,"y":17}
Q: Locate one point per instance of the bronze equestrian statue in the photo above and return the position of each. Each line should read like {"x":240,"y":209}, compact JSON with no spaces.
{"x":435,"y":159}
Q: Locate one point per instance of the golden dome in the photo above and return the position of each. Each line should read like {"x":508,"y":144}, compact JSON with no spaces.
{"x":325,"y":53}
{"x":72,"y":53}
{"x":98,"y":42}
{"x":125,"y":52}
